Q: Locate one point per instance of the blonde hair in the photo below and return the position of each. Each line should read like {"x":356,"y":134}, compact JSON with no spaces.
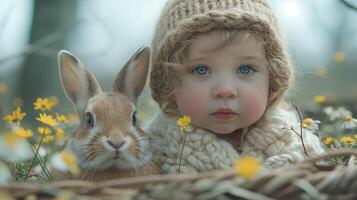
{"x":280,"y":78}
{"x":183,"y":20}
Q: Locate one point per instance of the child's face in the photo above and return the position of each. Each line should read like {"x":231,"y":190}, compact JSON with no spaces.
{"x":224,"y":88}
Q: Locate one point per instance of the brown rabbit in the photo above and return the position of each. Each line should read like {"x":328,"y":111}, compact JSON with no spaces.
{"x":108,"y":143}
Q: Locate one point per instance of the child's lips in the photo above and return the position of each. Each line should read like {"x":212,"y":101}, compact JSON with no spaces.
{"x":224,"y":114}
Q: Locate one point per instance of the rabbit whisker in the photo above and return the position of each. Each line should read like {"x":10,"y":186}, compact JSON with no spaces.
{"x":139,"y":137}
{"x":144,"y":170}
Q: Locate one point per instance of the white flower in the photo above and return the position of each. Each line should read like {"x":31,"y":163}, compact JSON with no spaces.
{"x":311,"y":124}
{"x":5,"y":174}
{"x":58,"y":163}
{"x":14,"y":148}
{"x":65,"y":161}
{"x":42,"y":152}
{"x":38,"y":169}
{"x":349,"y":123}
{"x":333,"y":114}
{"x":328,"y":110}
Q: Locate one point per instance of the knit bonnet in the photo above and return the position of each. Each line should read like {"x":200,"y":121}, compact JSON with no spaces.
{"x":181,"y":20}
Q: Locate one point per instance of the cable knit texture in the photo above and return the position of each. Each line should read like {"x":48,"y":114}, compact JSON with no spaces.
{"x":268,"y":141}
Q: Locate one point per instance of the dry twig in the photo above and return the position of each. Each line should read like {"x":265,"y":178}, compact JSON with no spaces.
{"x":300,"y":135}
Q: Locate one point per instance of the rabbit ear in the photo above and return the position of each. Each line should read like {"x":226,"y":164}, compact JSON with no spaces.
{"x":78,"y":82}
{"x":132,"y":77}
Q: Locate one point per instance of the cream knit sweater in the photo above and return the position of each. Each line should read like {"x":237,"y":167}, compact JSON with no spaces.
{"x":203,"y":150}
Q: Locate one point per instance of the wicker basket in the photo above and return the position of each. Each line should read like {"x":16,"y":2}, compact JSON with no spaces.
{"x":306,"y":180}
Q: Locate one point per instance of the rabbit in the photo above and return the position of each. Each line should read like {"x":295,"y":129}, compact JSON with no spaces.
{"x":109,"y":144}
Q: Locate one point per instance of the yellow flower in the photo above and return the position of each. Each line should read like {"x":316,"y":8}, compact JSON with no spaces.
{"x":65,"y":195}
{"x":320,"y":99}
{"x":47,"y":119}
{"x":184,"y":123}
{"x":23,"y":133}
{"x":3,"y":87}
{"x":311,"y":124}
{"x":43,"y":104}
{"x":15,"y":116}
{"x":61,"y":118}
{"x":347,"y":139}
{"x":11,"y":140}
{"x":48,"y":138}
{"x":18,"y":114}
{"x":347,"y":118}
{"x":71,"y":162}
{"x":349,"y":122}
{"x":43,"y":130}
{"x":59,"y":134}
{"x":329,"y":140}
{"x":339,"y":56}
{"x":18,"y":102}
{"x":356,"y":136}
{"x":246,"y":167}
{"x":307,"y":122}
{"x":8,"y":118}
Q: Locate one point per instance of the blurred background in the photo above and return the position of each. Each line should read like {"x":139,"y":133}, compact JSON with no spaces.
{"x":321,"y":36}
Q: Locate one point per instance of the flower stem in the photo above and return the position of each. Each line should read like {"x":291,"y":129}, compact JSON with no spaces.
{"x":43,"y":165}
{"x":36,"y":154}
{"x":183,"y":145}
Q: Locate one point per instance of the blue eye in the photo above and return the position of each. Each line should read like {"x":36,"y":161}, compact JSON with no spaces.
{"x":200,"y":70}
{"x":246,"y":69}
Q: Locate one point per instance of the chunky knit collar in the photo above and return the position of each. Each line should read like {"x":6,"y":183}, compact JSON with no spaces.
{"x":203,"y":150}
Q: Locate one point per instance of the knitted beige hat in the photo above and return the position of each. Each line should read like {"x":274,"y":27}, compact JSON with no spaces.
{"x":180,"y":20}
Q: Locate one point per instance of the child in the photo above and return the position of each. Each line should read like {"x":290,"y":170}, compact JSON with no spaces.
{"x":222,"y":63}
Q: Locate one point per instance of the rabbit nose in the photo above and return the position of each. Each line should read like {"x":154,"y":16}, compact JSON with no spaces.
{"x":117,"y":144}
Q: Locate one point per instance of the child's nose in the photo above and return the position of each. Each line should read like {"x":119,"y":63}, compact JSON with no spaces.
{"x":225,"y":91}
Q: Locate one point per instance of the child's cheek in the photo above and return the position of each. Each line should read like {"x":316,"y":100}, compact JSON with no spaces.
{"x":190,"y":102}
{"x":254,"y":106}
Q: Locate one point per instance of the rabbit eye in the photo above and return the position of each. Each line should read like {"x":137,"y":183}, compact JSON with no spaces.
{"x":134,"y":118}
{"x":89,"y":118}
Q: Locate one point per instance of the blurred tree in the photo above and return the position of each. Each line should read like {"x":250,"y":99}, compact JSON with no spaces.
{"x":352,"y":4}
{"x":15,"y":25}
{"x":40,"y":73}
